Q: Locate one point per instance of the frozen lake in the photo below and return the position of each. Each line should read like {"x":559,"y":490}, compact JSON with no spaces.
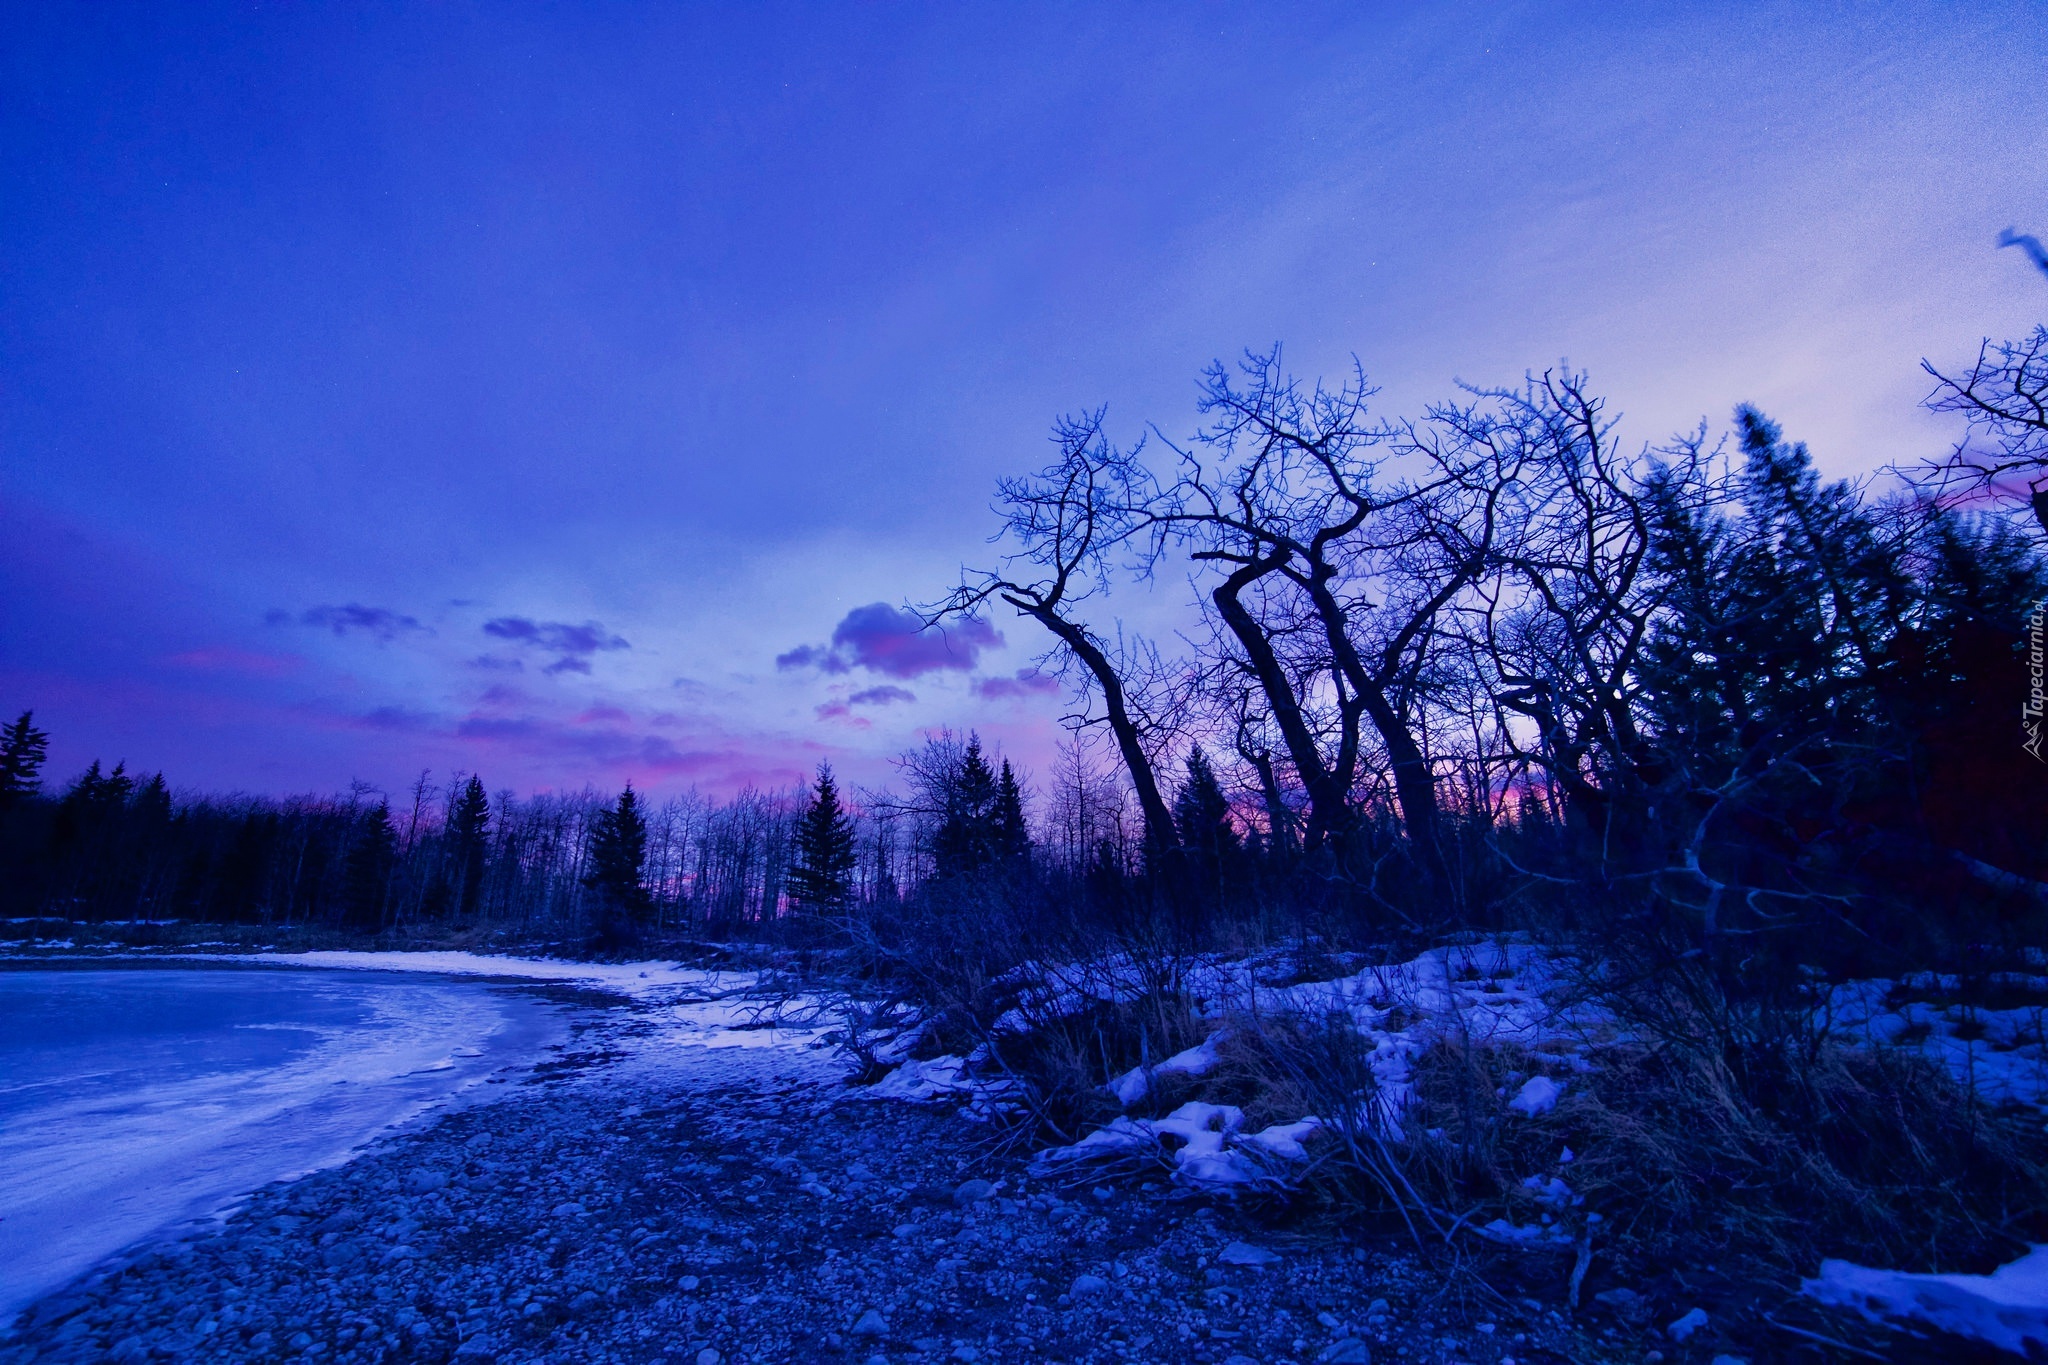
{"x":131,"y":1100}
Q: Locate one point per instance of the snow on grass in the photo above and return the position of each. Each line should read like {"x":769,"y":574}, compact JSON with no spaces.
{"x":2007,"y":1308}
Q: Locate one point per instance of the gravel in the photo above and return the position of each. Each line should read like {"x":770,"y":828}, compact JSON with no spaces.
{"x":729,"y":1215}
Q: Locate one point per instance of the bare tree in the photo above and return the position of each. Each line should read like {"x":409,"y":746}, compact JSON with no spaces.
{"x":2004,"y":399}
{"x":1067,"y":521}
{"x":1333,"y":583}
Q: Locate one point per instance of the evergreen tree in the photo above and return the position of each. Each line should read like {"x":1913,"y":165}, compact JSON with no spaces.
{"x":23,"y":749}
{"x":966,"y":841}
{"x":1201,"y":812}
{"x":821,"y":872}
{"x":469,"y":825}
{"x":367,"y":873}
{"x":153,"y":802}
{"x":1012,"y":835}
{"x":618,"y":850}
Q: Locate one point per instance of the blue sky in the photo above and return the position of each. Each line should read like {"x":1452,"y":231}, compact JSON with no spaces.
{"x":672,"y":339}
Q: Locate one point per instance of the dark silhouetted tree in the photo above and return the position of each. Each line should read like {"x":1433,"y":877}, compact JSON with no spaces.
{"x":469,"y":826}
{"x":618,"y":851}
{"x":1012,"y":834}
{"x":821,"y":871}
{"x":966,"y":840}
{"x":23,"y":748}
{"x":367,"y":873}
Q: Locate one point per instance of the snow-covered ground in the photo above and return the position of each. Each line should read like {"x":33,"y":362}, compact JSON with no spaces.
{"x":134,"y":1099}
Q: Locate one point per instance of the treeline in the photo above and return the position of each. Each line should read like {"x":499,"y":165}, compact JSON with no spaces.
{"x":109,"y":846}
{"x":1489,"y":668}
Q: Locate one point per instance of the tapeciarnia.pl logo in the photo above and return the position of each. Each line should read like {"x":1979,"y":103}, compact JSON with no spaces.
{"x":2031,"y":712}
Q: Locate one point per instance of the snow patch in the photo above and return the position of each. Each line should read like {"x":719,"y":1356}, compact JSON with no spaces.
{"x":2007,"y":1308}
{"x":1538,"y":1095}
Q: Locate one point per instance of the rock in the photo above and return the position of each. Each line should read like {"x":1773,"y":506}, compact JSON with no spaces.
{"x":532,"y":1309}
{"x":1329,"y":1320}
{"x":1617,"y":1298}
{"x":571,"y":1209}
{"x":585,"y":1301}
{"x":1685,"y":1326}
{"x":1085,"y":1285}
{"x":707,"y":1356}
{"x":871,"y":1324}
{"x":687,"y":1282}
{"x":973,"y":1192}
{"x":424,"y":1182}
{"x":967,"y":1355}
{"x":1239,"y":1360}
{"x":1104,"y":1193}
{"x":1378,"y":1306}
{"x":1729,"y":1360}
{"x":906,"y":1229}
{"x":1349,"y":1351}
{"x":1244,"y":1253}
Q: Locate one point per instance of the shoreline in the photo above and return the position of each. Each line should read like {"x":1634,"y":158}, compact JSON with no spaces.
{"x":648,"y":1200}
{"x":96,"y":1173}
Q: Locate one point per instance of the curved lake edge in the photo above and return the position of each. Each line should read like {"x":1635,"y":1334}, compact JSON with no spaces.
{"x":540,"y":1037}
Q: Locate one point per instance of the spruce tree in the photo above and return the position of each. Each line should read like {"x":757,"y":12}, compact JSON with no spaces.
{"x":618,"y":850}
{"x":966,"y":842}
{"x":1201,"y":812}
{"x":469,"y":825}
{"x":23,"y":749}
{"x":821,"y":872}
{"x":1012,"y":835}
{"x":367,"y":872}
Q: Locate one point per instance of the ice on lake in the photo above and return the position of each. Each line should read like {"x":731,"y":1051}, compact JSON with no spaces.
{"x":131,"y":1100}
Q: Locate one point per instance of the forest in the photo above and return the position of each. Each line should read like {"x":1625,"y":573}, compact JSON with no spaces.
{"x":1485,"y":668}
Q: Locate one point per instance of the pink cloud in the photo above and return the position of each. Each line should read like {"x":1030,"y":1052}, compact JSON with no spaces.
{"x":222,"y":659}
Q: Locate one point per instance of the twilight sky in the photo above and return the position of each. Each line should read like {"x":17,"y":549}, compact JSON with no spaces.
{"x":573,"y":393}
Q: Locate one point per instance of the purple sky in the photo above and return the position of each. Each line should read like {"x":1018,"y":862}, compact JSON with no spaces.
{"x":574,"y":393}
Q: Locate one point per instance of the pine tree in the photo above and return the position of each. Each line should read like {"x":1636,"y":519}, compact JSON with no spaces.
{"x":966,"y":842}
{"x":153,"y":801}
{"x":618,"y":850}
{"x":367,"y":873}
{"x":1201,"y":813}
{"x":1012,"y":835}
{"x":23,"y":749}
{"x":469,"y":825}
{"x":821,"y":872}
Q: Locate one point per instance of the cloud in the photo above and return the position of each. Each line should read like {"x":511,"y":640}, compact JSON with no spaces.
{"x":396,"y":718}
{"x":811,"y":656}
{"x":1028,"y":682}
{"x":380,"y":623}
{"x":498,"y":662}
{"x":895,"y":643}
{"x":227,"y":660}
{"x":881,"y":696}
{"x":557,"y":637}
{"x":839,"y":710}
{"x":571,"y":644}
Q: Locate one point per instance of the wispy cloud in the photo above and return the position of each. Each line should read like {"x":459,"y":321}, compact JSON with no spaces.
{"x":571,"y":644}
{"x":379,"y":623}
{"x":884,"y":695}
{"x":1027,"y":682}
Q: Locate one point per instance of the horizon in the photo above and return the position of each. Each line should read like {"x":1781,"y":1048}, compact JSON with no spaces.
{"x":578,"y":399}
